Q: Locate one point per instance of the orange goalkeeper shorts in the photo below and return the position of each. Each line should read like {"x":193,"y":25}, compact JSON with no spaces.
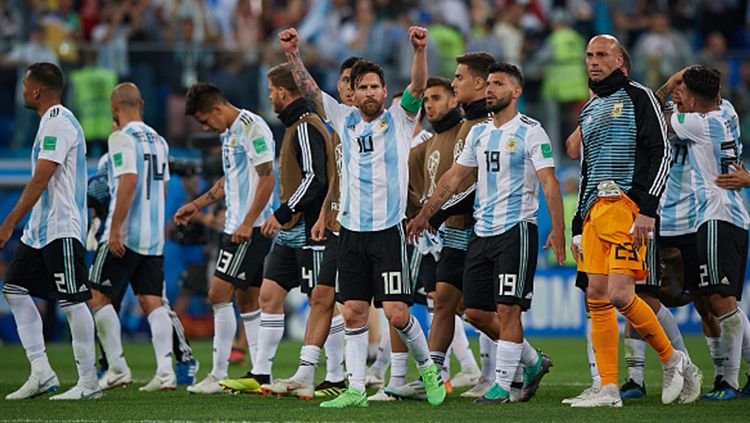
{"x":607,"y":242}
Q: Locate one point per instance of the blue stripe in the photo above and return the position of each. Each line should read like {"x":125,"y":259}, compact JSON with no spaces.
{"x":133,"y":240}
{"x":156,"y":198}
{"x":346,"y":156}
{"x":81,"y":173}
{"x":366,"y":187}
{"x":488,"y":217}
{"x":393,"y":180}
{"x":517,"y":177}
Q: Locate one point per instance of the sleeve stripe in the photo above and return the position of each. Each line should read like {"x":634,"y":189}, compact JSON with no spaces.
{"x":660,"y":180}
{"x":460,"y":196}
{"x":307,"y":167}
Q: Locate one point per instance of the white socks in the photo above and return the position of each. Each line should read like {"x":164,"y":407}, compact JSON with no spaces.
{"x":356,"y":357}
{"x":82,"y":331}
{"x":383,"y":358}
{"x":745,"y":336}
{"x":251,"y":322}
{"x":309,"y":357}
{"x":109,"y":332}
{"x":596,"y":380}
{"x":413,"y":337}
{"x":225,"y":325}
{"x":529,"y":356}
{"x":717,"y":355}
{"x":461,"y":347}
{"x":399,"y":369}
{"x":334,"y":348}
{"x":635,"y":358}
{"x":161,"y":338}
{"x":29,"y":326}
{"x":668,"y":322}
{"x":508,"y":360}
{"x":439,"y":358}
{"x":269,"y":335}
{"x":487,"y":356}
{"x":731,"y":340}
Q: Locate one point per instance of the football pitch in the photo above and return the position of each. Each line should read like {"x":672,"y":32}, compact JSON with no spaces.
{"x":568,"y":377}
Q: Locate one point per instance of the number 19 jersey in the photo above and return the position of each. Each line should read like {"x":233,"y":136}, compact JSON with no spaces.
{"x":138,"y":149}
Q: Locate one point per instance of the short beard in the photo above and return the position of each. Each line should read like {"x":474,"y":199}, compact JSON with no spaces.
{"x":366,"y":109}
{"x":500,"y":105}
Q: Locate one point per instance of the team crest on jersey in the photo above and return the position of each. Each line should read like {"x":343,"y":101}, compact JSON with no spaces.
{"x":233,"y":142}
{"x":617,"y":109}
{"x":383,"y":125}
{"x":512,"y":144}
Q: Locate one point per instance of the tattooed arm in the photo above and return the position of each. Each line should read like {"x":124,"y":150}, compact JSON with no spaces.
{"x":266,"y":183}
{"x":665,"y":90}
{"x":308,"y":88}
{"x":187,"y":212}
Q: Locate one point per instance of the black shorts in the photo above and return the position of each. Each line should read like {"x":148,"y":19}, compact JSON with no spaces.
{"x":722,"y":257}
{"x":294,"y":267}
{"x":652,"y":283}
{"x":582,"y":281}
{"x":242,"y":264}
{"x":450,"y":267}
{"x":374,"y":265}
{"x":329,"y":269}
{"x":679,"y":255}
{"x":110,"y":275}
{"x":422,"y":270}
{"x":500,"y":269}
{"x":56,"y":271}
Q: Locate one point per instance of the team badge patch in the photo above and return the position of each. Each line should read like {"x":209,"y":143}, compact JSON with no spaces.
{"x":546,"y":151}
{"x":117,"y":158}
{"x":617,"y":110}
{"x":383,"y":125}
{"x":260,"y":145}
{"x":512,"y":144}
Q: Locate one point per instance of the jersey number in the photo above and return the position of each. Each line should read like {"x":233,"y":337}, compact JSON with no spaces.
{"x":392,"y":283}
{"x":308,"y":276}
{"x":493,"y":160}
{"x":626,"y":251}
{"x":153,"y":172}
{"x":365,"y":144}
{"x":680,"y":154}
{"x":507,"y":284}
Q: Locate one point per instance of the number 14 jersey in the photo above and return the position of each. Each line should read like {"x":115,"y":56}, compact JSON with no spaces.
{"x":138,"y":149}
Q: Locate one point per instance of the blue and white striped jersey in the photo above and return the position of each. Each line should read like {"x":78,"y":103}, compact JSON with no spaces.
{"x":679,"y":204}
{"x":245,"y":145}
{"x":138,"y":149}
{"x":507,"y":159}
{"x":61,"y":210}
{"x":713,"y":148}
{"x":375,"y":174}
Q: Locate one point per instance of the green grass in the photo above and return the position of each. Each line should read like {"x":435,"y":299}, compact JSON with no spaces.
{"x":568,"y":377}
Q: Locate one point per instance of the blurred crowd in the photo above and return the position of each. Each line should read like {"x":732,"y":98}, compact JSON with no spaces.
{"x":166,"y":45}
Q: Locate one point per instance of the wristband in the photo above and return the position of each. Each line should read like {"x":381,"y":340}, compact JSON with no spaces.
{"x":409,"y":103}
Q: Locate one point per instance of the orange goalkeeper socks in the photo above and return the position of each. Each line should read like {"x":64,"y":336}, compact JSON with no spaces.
{"x":605,"y":338}
{"x":645,"y":322}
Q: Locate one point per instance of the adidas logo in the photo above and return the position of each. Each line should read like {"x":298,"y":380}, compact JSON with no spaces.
{"x":724,"y":281}
{"x":83,"y":288}
{"x":241,"y":276}
{"x":106,"y":282}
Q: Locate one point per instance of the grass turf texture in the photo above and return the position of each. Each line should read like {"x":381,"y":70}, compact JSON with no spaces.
{"x":568,"y":377}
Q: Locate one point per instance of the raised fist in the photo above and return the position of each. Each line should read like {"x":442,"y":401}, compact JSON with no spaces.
{"x":289,"y":40}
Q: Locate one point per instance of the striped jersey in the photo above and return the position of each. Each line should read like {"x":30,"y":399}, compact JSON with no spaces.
{"x":246,"y":144}
{"x":375,"y":175}
{"x":714,"y":147}
{"x":624,"y":140}
{"x":679,"y":204}
{"x":139,"y":150}
{"x":507,"y":160}
{"x":61,"y":210}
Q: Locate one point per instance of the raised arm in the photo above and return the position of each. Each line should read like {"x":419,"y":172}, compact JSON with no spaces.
{"x":309,"y":89}
{"x":418,"y":39}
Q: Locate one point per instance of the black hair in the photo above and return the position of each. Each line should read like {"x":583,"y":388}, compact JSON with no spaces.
{"x":349,"y":63}
{"x":439,"y":81}
{"x":201,"y":97}
{"x":478,"y":62}
{"x":703,"y":82}
{"x":509,"y":69}
{"x":47,"y":75}
{"x":362,"y":68}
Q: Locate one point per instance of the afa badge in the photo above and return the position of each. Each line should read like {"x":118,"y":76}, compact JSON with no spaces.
{"x":617,"y":110}
{"x":512,"y":144}
{"x":383,"y":125}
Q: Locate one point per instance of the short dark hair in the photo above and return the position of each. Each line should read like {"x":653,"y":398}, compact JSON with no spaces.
{"x":281,"y":76}
{"x":362,"y":68}
{"x":349,"y":63}
{"x":47,"y":75}
{"x":626,"y":62}
{"x":703,"y":82}
{"x":478,"y":62}
{"x":509,"y":69}
{"x":201,"y":97}
{"x":439,"y":81}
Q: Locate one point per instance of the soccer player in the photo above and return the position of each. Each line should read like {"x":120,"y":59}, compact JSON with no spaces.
{"x":712,"y":132}
{"x":624,"y":169}
{"x":372,"y":249}
{"x":509,"y":156}
{"x":49,"y":261}
{"x":134,"y":230}
{"x":247,"y":156}
{"x":294,"y":260}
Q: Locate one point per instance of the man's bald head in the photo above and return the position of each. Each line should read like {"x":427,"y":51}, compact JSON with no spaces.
{"x":127,"y":95}
{"x":604,"y":54}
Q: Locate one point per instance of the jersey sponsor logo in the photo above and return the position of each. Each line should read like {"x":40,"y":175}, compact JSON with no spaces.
{"x":617,"y":109}
{"x":117,"y":158}
{"x":49,"y":144}
{"x":546,"y":151}
{"x":260,"y":145}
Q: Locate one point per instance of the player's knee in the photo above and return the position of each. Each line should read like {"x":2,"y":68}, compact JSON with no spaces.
{"x":354,"y":317}
{"x":398,"y":316}
{"x":149,"y":303}
{"x":476,"y":317}
{"x":508,"y":313}
{"x":98,"y":300}
{"x":217,"y":295}
{"x":620,"y":298}
{"x":321,"y":297}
